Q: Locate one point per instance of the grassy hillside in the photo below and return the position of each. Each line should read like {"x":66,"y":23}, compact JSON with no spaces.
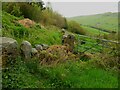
{"x":108,"y":21}
{"x":71,"y":74}
{"x":93,"y":32}
{"x":35,"y":34}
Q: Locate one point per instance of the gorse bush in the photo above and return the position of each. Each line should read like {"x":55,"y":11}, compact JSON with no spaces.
{"x":75,"y":28}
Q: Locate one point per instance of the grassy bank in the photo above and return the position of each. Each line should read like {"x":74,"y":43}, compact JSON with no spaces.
{"x":69,"y":74}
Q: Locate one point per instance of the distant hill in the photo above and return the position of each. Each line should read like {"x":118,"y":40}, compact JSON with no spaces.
{"x":107,"y":21}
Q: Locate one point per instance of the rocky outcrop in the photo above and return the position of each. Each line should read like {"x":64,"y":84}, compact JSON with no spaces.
{"x":8,"y":50}
{"x":26,"y":49}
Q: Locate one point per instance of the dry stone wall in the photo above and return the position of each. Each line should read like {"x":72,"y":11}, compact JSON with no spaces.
{"x":9,"y":51}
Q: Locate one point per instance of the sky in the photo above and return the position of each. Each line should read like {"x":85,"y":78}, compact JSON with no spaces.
{"x":70,"y":9}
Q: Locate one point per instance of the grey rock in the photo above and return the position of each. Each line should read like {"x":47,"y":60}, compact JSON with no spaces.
{"x":34,"y":52}
{"x":39,"y":47}
{"x":26,"y":49}
{"x":8,"y":45}
{"x":8,"y":49}
{"x":44,"y":46}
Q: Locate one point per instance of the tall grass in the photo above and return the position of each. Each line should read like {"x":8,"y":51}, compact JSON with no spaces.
{"x":66,"y":75}
{"x":35,"y":35}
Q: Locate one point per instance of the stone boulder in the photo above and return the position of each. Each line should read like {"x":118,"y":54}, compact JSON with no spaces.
{"x":26,"y":49}
{"x":44,"y":46}
{"x":38,"y":47}
{"x":8,"y":50}
{"x":41,"y":47}
{"x":34,"y":52}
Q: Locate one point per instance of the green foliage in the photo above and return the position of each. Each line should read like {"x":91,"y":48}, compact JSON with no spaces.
{"x":49,"y":17}
{"x":18,"y":76}
{"x":12,"y":8}
{"x":34,"y":34}
{"x":31,"y":12}
{"x":31,"y":74}
{"x":16,"y":11}
{"x":36,"y":12}
{"x":75,"y":28}
{"x":23,"y":8}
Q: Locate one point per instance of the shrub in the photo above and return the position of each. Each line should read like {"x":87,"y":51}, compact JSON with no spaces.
{"x":53,"y":18}
{"x":31,"y":12}
{"x":12,"y":8}
{"x":75,"y":28}
{"x":22,"y":8}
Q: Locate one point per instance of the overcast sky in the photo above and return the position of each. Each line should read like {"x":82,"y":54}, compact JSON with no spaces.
{"x":70,"y":9}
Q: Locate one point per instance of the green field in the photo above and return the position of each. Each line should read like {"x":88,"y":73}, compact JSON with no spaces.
{"x":93,"y":32}
{"x":108,"y":21}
